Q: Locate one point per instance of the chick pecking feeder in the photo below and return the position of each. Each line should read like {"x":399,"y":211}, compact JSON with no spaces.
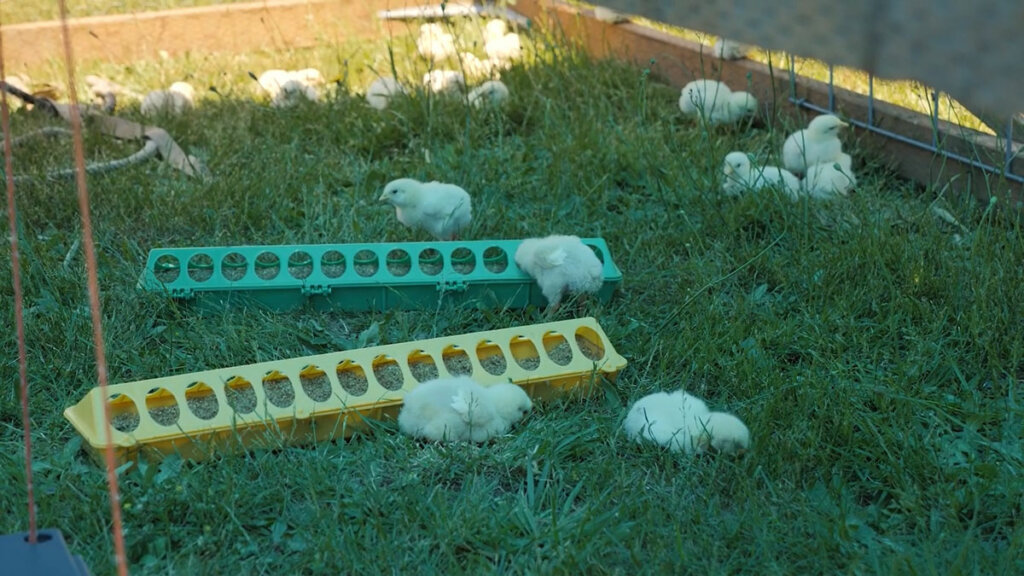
{"x":329,"y":396}
{"x":356,"y":277}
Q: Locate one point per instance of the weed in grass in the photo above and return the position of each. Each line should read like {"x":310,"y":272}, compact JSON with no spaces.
{"x":877,"y":363}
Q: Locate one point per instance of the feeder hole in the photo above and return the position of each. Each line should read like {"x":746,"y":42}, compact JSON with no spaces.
{"x":201,"y":400}
{"x":300,"y":265}
{"x":352,"y":378}
{"x":431,"y":262}
{"x":557,"y":348}
{"x":495,"y":259}
{"x":589,"y":343}
{"x":315,"y":383}
{"x":491,"y":358}
{"x":597,"y":252}
{"x":233,"y":266}
{"x":162,"y":407}
{"x":268,"y":265}
{"x":457,"y":361}
{"x":166,"y":268}
{"x":399,"y":262}
{"x":278,"y":389}
{"x":332,"y":264}
{"x":200,"y":267}
{"x":525,"y":352}
{"x":240,"y":395}
{"x":463,"y":260}
{"x":124,"y":415}
{"x":366,"y":263}
{"x":388,"y":373}
{"x":422,"y":366}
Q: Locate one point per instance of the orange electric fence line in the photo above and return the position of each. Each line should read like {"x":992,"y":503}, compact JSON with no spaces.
{"x":19,"y":317}
{"x":94,"y":292}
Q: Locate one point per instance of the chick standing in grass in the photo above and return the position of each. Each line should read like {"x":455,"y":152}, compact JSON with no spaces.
{"x":741,"y":175}
{"x":440,"y":209}
{"x":715,"y":102}
{"x":817,"y":143}
{"x":176,"y":100}
{"x":434,"y":43}
{"x":829,"y":180}
{"x":560,"y":265}
{"x":382,"y":90}
{"x":682,"y":422}
{"x":490,"y":93}
{"x":501,"y":45}
{"x":460,"y":410}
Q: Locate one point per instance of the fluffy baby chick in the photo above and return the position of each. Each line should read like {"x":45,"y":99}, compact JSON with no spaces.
{"x":729,"y":50}
{"x":499,"y":44}
{"x":683,"y":423}
{"x":293,"y":92}
{"x":438,"y":81}
{"x":490,"y":93}
{"x":560,"y":264}
{"x":434,"y":43}
{"x":816,"y":144}
{"x":715,"y":102}
{"x":176,"y":100}
{"x":382,"y":90}
{"x":460,"y":410}
{"x":476,"y":68}
{"x":829,"y":180}
{"x":741,"y":175}
{"x":289,"y":87}
{"x":440,"y":209}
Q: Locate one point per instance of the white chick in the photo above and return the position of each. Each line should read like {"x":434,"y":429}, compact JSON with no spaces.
{"x":682,"y":422}
{"x":560,"y":265}
{"x":460,"y":410}
{"x":440,"y":209}
{"x":490,"y":93}
{"x":293,"y":92}
{"x":176,"y":100}
{"x":476,"y":68}
{"x":272,"y":81}
{"x":715,"y":102}
{"x":499,"y":44}
{"x":741,"y":175}
{"x":438,"y":81}
{"x":829,"y":180}
{"x":434,"y":43}
{"x":816,"y":144}
{"x":729,"y":50}
{"x":382,"y":90}
{"x":308,"y":76}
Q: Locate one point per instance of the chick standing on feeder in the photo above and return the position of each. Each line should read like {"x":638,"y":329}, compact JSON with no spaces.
{"x":741,"y":175}
{"x":715,"y":102}
{"x":560,"y":265}
{"x":816,"y":144}
{"x":683,"y":423}
{"x":440,"y":209}
{"x":460,"y":410}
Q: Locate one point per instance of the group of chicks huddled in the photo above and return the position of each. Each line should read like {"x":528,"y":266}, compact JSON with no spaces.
{"x":816,"y":152}
{"x":437,"y":46}
{"x":461,"y":410}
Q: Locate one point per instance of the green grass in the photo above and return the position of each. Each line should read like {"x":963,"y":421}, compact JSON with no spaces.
{"x":40,"y":11}
{"x":877,"y":362}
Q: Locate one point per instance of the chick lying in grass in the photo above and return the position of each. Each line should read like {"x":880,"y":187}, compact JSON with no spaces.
{"x":460,"y":410}
{"x":382,"y":90}
{"x":289,"y":87}
{"x":490,"y":93}
{"x":715,"y":102}
{"x":817,"y":144}
{"x":683,"y":423}
{"x":440,"y":209}
{"x":176,"y":100}
{"x":829,"y":180}
{"x":741,"y":175}
{"x":560,"y":265}
{"x":442,"y":81}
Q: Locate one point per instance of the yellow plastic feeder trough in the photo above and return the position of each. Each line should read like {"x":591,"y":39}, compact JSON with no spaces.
{"x":329,"y":396}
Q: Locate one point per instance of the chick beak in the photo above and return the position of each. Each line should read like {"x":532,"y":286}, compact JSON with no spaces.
{"x":843,"y":124}
{"x":383,"y":197}
{"x":727,"y":170}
